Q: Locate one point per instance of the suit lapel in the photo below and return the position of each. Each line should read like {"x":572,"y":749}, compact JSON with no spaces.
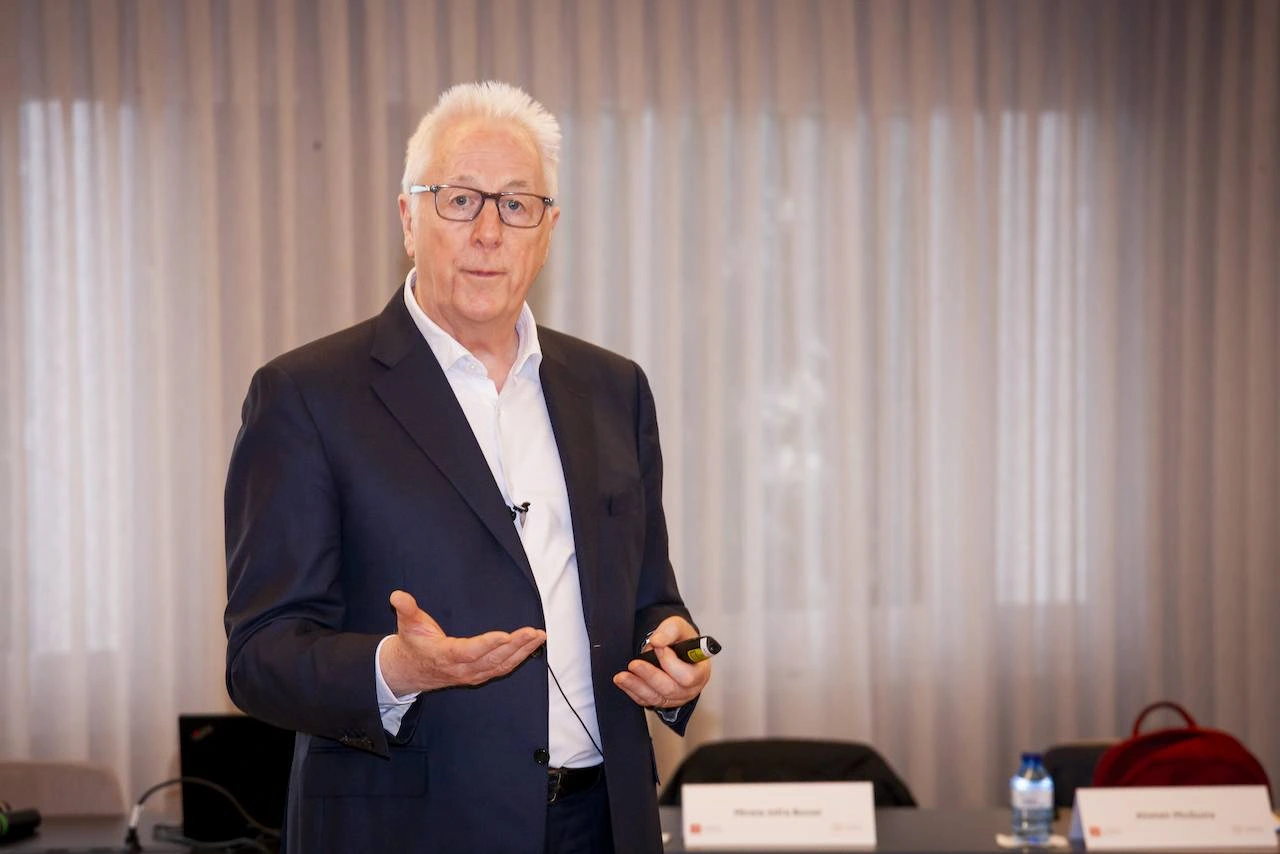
{"x":573,"y":422}
{"x":418,"y":395}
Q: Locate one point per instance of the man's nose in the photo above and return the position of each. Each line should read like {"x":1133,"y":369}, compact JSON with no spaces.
{"x":487,"y":226}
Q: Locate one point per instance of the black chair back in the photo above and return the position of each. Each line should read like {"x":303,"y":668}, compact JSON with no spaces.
{"x":784,"y":760}
{"x":1071,"y":765}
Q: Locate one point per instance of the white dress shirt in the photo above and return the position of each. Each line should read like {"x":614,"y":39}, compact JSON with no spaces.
{"x":513,"y":429}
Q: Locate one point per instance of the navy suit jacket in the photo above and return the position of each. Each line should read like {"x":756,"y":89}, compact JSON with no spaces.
{"x":355,"y":473}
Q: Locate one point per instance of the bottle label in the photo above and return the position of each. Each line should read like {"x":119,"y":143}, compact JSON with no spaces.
{"x":1032,"y":799}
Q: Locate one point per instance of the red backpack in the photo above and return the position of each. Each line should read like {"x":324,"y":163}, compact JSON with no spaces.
{"x":1181,"y":756}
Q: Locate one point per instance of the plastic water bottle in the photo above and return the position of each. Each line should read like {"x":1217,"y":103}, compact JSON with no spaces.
{"x":1031,"y":796}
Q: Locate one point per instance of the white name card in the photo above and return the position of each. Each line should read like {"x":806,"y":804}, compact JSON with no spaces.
{"x":778,"y":816}
{"x":1184,"y":818}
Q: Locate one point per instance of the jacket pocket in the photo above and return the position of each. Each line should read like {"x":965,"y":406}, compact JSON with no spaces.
{"x":356,"y":774}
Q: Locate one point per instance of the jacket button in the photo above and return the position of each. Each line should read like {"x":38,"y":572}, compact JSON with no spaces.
{"x":541,"y":756}
{"x":537,"y":653}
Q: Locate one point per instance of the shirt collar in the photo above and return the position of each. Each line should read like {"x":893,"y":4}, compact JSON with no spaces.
{"x":449,"y":353}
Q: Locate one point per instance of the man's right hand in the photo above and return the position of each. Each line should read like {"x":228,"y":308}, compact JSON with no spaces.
{"x":421,"y":657}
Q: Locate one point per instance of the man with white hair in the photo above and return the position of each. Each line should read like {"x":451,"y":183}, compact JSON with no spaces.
{"x":446,"y":541}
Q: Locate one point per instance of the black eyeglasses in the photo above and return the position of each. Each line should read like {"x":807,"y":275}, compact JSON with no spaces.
{"x":463,"y":204}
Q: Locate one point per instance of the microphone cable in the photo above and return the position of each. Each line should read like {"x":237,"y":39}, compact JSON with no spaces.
{"x":585,"y":728}
{"x":519,"y":513}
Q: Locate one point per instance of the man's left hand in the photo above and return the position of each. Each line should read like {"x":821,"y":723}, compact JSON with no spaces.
{"x":676,"y":682}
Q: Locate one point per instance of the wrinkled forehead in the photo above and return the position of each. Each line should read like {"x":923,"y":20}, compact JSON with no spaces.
{"x":500,"y":154}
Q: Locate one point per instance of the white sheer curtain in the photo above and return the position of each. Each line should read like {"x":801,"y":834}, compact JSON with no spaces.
{"x":962,"y":319}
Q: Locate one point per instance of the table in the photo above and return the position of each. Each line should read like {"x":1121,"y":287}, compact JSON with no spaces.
{"x":899,"y":830}
{"x":91,"y":836}
{"x":907,"y":830}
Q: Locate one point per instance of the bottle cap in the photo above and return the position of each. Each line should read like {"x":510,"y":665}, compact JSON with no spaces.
{"x":1032,"y":757}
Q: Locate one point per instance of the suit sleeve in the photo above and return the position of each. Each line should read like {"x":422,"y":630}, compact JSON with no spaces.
{"x":288,"y":660}
{"x":658,"y":596}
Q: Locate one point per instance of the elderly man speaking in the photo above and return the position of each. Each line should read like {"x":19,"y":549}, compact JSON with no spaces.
{"x":446,"y":542}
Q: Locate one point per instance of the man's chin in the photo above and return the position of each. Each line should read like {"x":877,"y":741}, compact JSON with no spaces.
{"x":483,"y":314}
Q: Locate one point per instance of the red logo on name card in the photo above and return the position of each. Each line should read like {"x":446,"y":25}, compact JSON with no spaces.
{"x":1094,"y":830}
{"x":695,"y":828}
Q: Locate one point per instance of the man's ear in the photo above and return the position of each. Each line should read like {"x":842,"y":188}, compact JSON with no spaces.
{"x":555,"y":217}
{"x":406,"y":222}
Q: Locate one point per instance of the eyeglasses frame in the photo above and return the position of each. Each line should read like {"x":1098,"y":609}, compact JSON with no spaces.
{"x":434,"y":189}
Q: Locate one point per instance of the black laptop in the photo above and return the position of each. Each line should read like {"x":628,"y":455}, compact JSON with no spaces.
{"x":248,"y":758}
